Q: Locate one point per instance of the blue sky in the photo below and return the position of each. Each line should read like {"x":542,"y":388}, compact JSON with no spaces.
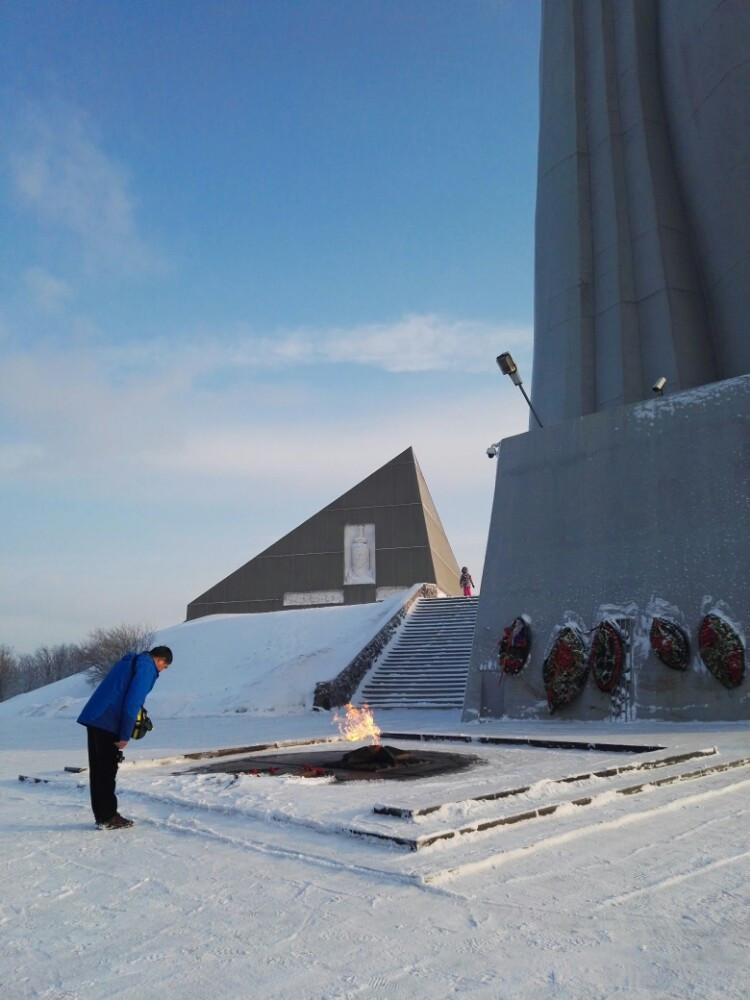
{"x":251,"y":251}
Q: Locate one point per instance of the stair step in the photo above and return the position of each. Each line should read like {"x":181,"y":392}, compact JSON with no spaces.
{"x":397,"y":685}
{"x":417,"y":677}
{"x":426,"y":663}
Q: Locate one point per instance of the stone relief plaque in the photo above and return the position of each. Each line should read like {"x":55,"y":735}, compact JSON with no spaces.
{"x":311,"y":598}
{"x":359,"y":554}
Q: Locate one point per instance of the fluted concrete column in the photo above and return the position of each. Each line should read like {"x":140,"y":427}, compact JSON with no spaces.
{"x":642,"y":234}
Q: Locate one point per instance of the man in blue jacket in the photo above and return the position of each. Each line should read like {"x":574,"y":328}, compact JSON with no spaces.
{"x":109,"y":717}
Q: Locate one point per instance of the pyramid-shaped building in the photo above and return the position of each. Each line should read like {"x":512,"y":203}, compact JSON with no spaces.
{"x":381,"y":536}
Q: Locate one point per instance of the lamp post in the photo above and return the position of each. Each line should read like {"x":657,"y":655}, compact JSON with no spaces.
{"x":507,"y":366}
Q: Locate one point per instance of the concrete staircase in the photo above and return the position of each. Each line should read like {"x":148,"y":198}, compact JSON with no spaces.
{"x":426,"y":663}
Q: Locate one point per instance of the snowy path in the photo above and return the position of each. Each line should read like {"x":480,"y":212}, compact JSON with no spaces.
{"x":251,"y":888}
{"x":636,"y":896}
{"x":640,"y":896}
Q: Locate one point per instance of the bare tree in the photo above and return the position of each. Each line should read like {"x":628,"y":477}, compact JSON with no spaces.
{"x":52,"y":663}
{"x":46,"y":665}
{"x":105,"y":646}
{"x":7,"y":670}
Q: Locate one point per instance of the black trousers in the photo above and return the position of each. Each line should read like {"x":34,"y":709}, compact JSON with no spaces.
{"x":102,"y":772}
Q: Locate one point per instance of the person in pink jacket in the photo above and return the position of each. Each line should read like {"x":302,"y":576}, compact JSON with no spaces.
{"x":466,"y":582}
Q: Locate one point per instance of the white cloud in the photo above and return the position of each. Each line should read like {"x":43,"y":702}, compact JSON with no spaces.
{"x":414,"y":343}
{"x":62,"y":174}
{"x":48,"y":293}
{"x":97,"y":413}
{"x":20,"y":458}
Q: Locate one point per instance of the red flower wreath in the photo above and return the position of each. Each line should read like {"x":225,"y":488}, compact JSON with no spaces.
{"x":565,"y":669}
{"x":606,"y":656}
{"x":722,"y":651}
{"x":669,"y":643}
{"x":513,"y":647}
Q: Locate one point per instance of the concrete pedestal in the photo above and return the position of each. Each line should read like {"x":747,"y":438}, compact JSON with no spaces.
{"x":630,"y":513}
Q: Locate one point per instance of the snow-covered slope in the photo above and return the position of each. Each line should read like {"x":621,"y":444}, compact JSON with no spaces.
{"x":238,"y":663}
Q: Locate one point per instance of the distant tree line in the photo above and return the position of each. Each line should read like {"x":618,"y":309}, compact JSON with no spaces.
{"x":95,"y":655}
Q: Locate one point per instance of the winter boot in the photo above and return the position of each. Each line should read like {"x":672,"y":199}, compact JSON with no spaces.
{"x":116,"y":822}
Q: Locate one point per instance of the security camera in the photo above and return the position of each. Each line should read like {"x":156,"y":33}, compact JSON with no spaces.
{"x":658,"y":385}
{"x":492,"y":451}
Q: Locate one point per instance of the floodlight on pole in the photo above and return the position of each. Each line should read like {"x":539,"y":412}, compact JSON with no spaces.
{"x":507,"y":366}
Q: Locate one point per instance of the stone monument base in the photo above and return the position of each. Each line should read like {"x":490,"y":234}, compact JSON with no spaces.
{"x":627,"y":515}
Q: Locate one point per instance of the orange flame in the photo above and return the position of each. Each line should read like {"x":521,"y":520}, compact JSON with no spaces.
{"x":358,"y":724}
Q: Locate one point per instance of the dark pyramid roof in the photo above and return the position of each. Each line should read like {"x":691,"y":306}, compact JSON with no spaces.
{"x":444,"y":562}
{"x":306,"y":566}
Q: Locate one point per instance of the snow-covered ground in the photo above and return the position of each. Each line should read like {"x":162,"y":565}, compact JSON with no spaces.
{"x":631,"y":884}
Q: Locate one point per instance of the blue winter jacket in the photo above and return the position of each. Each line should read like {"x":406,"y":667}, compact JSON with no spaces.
{"x":114,"y":704}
